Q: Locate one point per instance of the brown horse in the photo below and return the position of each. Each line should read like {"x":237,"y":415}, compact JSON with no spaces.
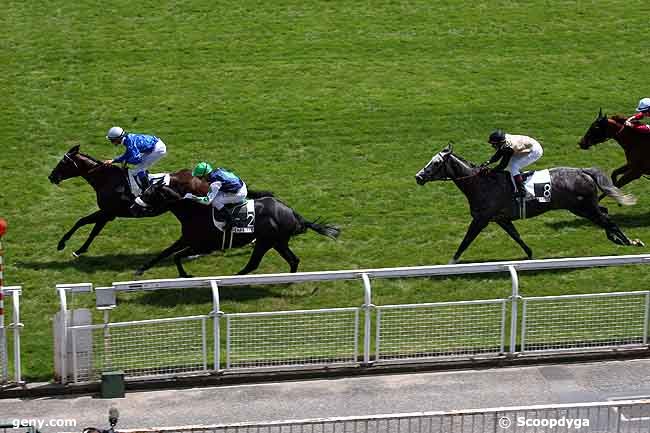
{"x":111,"y":186}
{"x":635,"y":145}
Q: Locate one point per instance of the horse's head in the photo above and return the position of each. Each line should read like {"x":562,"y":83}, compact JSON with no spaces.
{"x":597,"y":132}
{"x":72,"y":164}
{"x":436,"y":169}
{"x":156,"y":198}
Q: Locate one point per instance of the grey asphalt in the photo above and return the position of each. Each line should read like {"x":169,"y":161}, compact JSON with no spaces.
{"x":367,"y":395}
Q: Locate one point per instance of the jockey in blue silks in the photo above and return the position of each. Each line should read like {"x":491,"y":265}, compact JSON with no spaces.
{"x":142,"y":150}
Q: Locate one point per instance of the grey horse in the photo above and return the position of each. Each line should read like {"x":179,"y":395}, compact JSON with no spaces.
{"x":490,"y":197}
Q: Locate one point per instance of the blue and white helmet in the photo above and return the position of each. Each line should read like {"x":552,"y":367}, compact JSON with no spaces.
{"x":644,"y":105}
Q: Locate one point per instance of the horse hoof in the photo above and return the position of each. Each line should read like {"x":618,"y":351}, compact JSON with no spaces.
{"x":60,"y":246}
{"x":453,"y":261}
{"x":186,"y":276}
{"x":76,"y":254}
{"x":638,"y":243}
{"x":138,"y":272}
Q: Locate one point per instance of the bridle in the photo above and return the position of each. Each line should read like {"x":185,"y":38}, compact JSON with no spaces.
{"x":443,"y":160}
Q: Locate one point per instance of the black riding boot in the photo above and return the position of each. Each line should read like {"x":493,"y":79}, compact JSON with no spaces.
{"x":521,"y":189}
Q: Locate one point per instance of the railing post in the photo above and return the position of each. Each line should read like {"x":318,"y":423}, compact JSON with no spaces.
{"x":216,"y":314}
{"x":367,"y":307}
{"x":16,"y":325}
{"x":645,"y":318}
{"x":64,"y":334}
{"x":514,"y":297}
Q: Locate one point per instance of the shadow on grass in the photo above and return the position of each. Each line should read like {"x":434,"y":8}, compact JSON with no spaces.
{"x":175,"y":297}
{"x":115,"y":262}
{"x":629,"y":221}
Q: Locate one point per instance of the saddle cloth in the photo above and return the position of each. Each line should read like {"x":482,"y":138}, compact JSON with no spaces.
{"x":243,"y":218}
{"x":133,"y":183}
{"x":538,"y":185}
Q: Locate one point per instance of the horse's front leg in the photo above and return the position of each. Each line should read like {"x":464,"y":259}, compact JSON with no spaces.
{"x":510,"y":228}
{"x":173,"y":248}
{"x":476,"y":226}
{"x":99,"y":226}
{"x":93,"y":218}
{"x":622,"y":169}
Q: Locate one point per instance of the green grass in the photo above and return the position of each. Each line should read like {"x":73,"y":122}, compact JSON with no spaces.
{"x":332,"y":105}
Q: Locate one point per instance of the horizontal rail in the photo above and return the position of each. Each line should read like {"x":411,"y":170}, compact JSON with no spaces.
{"x":139,"y":322}
{"x":467,"y":412}
{"x":402,"y":272}
{"x":10,"y":290}
{"x":585,"y":295}
{"x":76,"y":287}
{"x":441,"y":304}
{"x":292,"y":312}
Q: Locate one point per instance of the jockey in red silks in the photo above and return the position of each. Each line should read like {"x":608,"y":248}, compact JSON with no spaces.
{"x":643,"y":110}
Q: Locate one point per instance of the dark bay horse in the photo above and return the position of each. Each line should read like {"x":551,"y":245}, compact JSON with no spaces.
{"x":111,"y":186}
{"x":635,"y":145}
{"x":490,"y":197}
{"x":275,"y":224}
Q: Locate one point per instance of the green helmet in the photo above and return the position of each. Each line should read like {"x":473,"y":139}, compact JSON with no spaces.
{"x":201,"y":169}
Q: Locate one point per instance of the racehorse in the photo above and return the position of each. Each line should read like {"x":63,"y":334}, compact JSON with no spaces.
{"x":635,"y":145}
{"x":114,"y":197}
{"x":274,"y":224}
{"x":490,"y":197}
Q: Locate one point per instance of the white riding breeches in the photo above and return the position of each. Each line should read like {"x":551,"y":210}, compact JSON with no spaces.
{"x":222,"y":198}
{"x":519,"y":161}
{"x":149,"y":159}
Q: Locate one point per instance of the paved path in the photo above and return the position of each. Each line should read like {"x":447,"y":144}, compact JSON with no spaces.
{"x":366,"y":395}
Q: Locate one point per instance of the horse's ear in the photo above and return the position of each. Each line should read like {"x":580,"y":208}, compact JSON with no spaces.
{"x":74,"y":149}
{"x":449,"y":147}
{"x":600,"y":113}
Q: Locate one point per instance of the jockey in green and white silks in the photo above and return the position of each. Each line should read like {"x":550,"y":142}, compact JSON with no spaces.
{"x":225,"y":186}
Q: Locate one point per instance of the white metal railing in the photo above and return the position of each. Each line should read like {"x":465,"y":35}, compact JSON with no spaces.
{"x":9,"y":375}
{"x":292,"y":338}
{"x":579,"y":322}
{"x":440,"y":330}
{"x":402,"y":333}
{"x":159,"y":347}
{"x":629,"y":416}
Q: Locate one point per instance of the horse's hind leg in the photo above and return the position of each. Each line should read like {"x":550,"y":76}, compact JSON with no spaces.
{"x":261,"y":247}
{"x":614,"y":233}
{"x":175,"y":247}
{"x":88,"y":219}
{"x":509,"y":228}
{"x":288,"y":255}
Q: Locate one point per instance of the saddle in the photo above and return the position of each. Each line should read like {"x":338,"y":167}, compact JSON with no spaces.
{"x":240,"y":217}
{"x":134,"y":185}
{"x":538,"y":189}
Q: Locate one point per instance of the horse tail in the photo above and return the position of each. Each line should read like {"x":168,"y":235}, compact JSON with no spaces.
{"x":322,"y":228}
{"x":606,"y":185}
{"x":259,"y":194}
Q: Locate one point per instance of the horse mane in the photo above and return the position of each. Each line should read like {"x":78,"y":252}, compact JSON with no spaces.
{"x":471,"y":164}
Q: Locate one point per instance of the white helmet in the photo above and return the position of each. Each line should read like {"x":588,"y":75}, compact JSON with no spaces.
{"x":114,"y":133}
{"x":644,"y":105}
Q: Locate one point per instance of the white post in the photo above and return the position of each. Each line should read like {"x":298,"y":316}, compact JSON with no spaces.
{"x":513,"y":300}
{"x":17,"y":328}
{"x":64,"y":334}
{"x":367,"y":306}
{"x":216,"y":317}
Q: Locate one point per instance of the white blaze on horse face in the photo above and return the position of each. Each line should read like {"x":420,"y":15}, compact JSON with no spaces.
{"x":426,"y":171}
